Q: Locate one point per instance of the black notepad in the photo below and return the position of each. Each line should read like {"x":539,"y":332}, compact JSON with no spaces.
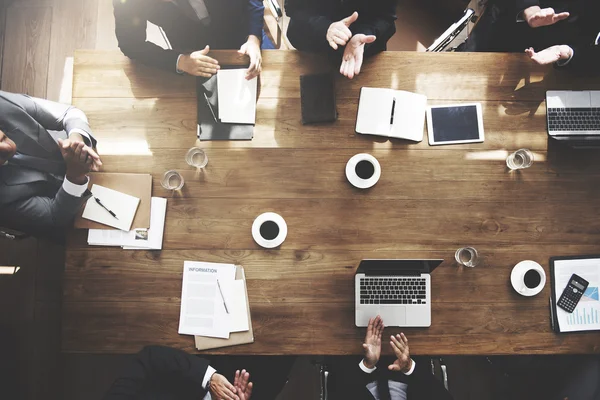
{"x":317,"y":93}
{"x":209,"y":126}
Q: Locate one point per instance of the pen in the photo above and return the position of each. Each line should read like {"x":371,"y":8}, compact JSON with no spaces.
{"x":222,"y":297}
{"x":103,"y":206}
{"x":210,"y":107}
{"x":393,"y":110}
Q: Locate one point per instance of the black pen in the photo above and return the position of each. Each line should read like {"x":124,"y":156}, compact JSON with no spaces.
{"x":393,"y":111}
{"x":210,"y":107}
{"x":103,"y":206}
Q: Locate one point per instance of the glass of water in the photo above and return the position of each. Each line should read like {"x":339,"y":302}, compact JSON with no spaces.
{"x":467,"y":256}
{"x":196,"y":157}
{"x":172,"y":180}
{"x":520,"y":159}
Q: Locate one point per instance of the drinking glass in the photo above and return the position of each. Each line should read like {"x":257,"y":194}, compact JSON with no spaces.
{"x":467,"y":256}
{"x":520,"y":159}
{"x":196,"y":157}
{"x":172,"y":180}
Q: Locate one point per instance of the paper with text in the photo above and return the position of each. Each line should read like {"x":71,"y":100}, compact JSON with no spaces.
{"x":202,"y":311}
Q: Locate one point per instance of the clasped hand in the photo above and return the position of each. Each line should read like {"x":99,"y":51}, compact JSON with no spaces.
{"x":79,"y":158}
{"x":372,"y":347}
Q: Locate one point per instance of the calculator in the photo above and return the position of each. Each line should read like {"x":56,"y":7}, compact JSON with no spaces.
{"x":572,"y":293}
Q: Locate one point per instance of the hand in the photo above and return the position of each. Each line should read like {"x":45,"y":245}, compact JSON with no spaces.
{"x":372,"y":344}
{"x":97,"y":163}
{"x":198,"y":63}
{"x":403,"y":361}
{"x":244,"y":388}
{"x":252,"y":49}
{"x":8,"y":148}
{"x":537,"y":17}
{"x":338,"y":33}
{"x":78,"y":159}
{"x":550,"y":55}
{"x":220,"y":388}
{"x":353,"y":55}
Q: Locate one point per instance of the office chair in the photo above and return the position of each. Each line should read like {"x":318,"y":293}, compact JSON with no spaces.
{"x":275,"y":20}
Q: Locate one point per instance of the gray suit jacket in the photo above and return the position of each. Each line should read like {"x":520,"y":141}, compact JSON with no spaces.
{"x":31,"y":195}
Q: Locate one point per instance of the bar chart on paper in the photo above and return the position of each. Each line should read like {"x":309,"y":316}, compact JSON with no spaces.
{"x":584,"y":316}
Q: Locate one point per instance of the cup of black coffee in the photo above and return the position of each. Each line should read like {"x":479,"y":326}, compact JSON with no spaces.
{"x":269,"y":230}
{"x":528,"y":278}
{"x":363,"y":171}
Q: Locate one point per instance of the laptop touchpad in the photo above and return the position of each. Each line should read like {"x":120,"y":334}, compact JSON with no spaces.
{"x":578,"y":100}
{"x":393,"y":315}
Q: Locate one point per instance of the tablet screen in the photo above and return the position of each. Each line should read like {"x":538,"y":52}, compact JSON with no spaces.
{"x":456,"y":123}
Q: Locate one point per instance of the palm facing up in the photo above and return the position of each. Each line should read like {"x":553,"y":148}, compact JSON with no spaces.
{"x":372,"y":344}
{"x":353,"y":54}
{"x":550,"y":55}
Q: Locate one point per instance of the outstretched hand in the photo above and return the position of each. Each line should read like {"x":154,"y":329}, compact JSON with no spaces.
{"x":403,"y":361}
{"x":550,"y":55}
{"x":242,"y":384}
{"x":339,"y":33}
{"x":537,"y":17}
{"x":372,"y":344}
{"x":353,"y":54}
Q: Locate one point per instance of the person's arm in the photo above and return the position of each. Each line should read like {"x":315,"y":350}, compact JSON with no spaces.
{"x":306,"y":14}
{"x":256,"y":13}
{"x":378,"y":21}
{"x":585,"y":59}
{"x":156,"y":363}
{"x":130,"y":28}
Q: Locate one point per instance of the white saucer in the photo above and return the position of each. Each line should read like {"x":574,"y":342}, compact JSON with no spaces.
{"x":262,"y":218}
{"x":357,"y":181}
{"x":516,"y":278}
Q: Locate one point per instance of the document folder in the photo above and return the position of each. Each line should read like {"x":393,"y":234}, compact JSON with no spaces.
{"x":236,"y":338}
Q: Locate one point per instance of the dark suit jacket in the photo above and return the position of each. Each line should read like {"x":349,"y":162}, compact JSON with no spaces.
{"x":579,"y":31}
{"x":31,"y":194}
{"x":310,"y":20}
{"x":422,"y":385}
{"x":161,"y":373}
{"x":231,"y":22}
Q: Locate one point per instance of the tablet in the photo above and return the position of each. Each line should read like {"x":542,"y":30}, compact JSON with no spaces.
{"x":452,"y":124}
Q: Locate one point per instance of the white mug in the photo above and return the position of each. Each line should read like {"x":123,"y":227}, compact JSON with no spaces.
{"x":363,"y":171}
{"x":528,"y":278}
{"x":269,"y":230}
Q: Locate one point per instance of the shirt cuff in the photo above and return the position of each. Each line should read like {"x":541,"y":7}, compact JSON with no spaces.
{"x":364,"y":367}
{"x":210,"y":371}
{"x":83,"y":134}
{"x":412,"y":368}
{"x":180,"y":72}
{"x":562,"y":63}
{"x":597,"y":42}
{"x":74,"y":189}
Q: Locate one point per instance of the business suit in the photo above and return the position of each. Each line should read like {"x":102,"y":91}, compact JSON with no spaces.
{"x":229,"y":24}
{"x":33,"y":197}
{"x":310,"y":20}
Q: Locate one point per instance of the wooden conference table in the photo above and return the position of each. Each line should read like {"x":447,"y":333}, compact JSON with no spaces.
{"x":429,"y":202}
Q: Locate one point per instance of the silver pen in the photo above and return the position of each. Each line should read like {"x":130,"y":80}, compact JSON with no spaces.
{"x":222,"y":297}
{"x":210,"y":107}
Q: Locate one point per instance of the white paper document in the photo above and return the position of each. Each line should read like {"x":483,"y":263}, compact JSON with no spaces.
{"x":391,"y":113}
{"x":123,"y":205}
{"x":136,"y":239}
{"x":235,"y":297}
{"x":586,"y":315}
{"x":202,"y":310}
{"x":236,"y":97}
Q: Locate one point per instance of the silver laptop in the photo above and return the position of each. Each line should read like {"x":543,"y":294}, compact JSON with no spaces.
{"x":397,"y":290}
{"x":573,"y":113}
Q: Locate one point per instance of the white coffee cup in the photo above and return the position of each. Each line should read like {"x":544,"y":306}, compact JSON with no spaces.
{"x":363,"y":171}
{"x":269,"y":230}
{"x":528,"y":278}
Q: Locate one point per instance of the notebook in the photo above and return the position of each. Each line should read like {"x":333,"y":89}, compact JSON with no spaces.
{"x":123,"y":205}
{"x":136,"y":185}
{"x":392,"y":113}
{"x":236,"y":96}
{"x":317,"y":96}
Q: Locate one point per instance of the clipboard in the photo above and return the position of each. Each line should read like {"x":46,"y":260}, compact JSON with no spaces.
{"x":136,"y":185}
{"x":553,"y":310}
{"x":236,"y":338}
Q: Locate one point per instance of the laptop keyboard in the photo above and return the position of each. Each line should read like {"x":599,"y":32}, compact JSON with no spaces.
{"x":388,"y":290}
{"x":574,"y":119}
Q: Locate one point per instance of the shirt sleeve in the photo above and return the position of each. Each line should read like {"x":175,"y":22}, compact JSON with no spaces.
{"x":562,"y":63}
{"x":256,"y":13}
{"x":364,"y":368}
{"x":412,"y":368}
{"x":73,"y":189}
{"x":210,"y":371}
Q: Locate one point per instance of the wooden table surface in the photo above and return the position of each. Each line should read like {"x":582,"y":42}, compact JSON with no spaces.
{"x":429,"y":202}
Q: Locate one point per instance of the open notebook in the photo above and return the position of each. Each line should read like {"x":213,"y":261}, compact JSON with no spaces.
{"x":392,"y":113}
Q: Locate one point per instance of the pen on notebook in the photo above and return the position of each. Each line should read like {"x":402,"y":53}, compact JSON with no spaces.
{"x":210,"y":107}
{"x":393,"y":110}
{"x":103,"y":206}
{"x":222,"y":297}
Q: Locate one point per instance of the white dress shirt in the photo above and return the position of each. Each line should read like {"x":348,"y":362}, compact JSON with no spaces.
{"x":210,"y":371}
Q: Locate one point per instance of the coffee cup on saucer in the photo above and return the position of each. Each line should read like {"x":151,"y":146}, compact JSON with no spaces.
{"x":269,"y":230}
{"x":363,"y":171}
{"x":528,"y":278}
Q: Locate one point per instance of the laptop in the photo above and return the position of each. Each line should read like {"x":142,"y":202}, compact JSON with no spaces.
{"x":397,"y":290}
{"x":572,"y":113}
